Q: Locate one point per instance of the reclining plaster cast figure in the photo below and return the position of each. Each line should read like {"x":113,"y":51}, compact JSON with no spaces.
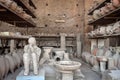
{"x":31,"y":56}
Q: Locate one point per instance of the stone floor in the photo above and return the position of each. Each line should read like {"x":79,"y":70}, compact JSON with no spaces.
{"x":86,"y":70}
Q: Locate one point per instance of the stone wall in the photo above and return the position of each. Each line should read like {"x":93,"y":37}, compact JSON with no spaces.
{"x":74,"y":12}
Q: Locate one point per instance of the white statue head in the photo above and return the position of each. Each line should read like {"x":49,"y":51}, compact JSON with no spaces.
{"x":32,"y":41}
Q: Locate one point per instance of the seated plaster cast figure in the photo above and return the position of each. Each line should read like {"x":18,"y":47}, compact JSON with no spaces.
{"x":31,"y":56}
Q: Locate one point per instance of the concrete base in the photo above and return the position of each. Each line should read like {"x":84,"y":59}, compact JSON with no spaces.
{"x":40,"y":76}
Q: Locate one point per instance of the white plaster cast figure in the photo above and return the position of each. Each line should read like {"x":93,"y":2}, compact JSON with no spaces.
{"x":46,"y":55}
{"x":31,"y":56}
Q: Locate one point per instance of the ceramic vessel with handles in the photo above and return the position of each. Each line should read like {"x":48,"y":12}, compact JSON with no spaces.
{"x":110,"y":6}
{"x":96,"y":14}
{"x":116,"y":3}
{"x":13,"y":6}
{"x":11,"y":63}
{"x":2,"y":67}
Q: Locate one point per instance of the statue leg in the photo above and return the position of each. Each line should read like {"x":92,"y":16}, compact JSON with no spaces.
{"x":26,"y":61}
{"x":35,"y":63}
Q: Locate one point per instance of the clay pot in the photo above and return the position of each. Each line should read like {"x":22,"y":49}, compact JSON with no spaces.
{"x":8,"y":2}
{"x":26,"y":16}
{"x":108,"y":53}
{"x":110,"y":6}
{"x":119,"y":63}
{"x":13,"y":6}
{"x":96,"y":14}
{"x":11,"y":62}
{"x":7,"y":66}
{"x":2,"y":67}
{"x":116,"y":27}
{"x":115,"y":58}
{"x":116,"y":3}
{"x":108,"y":29}
{"x":87,"y":57}
{"x":102,"y":11}
{"x":91,"y":60}
{"x":83,"y":55}
{"x":21,"y":58}
{"x":90,"y":20}
{"x":19,"y":10}
{"x":17,"y":59}
{"x":106,"y":9}
{"x":102,"y":31}
{"x":98,"y":32}
{"x":32,"y":9}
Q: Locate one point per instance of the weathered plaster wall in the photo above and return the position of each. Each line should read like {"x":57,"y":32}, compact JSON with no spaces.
{"x":50,"y":10}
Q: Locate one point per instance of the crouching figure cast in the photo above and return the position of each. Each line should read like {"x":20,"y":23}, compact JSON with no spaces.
{"x":31,"y":57}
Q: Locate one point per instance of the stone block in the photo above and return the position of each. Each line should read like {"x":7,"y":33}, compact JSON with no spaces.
{"x":40,"y":76}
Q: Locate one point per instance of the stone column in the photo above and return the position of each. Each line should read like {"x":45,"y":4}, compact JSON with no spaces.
{"x":63,"y":41}
{"x":102,"y":66}
{"x":12,"y":45}
{"x":78,"y":45}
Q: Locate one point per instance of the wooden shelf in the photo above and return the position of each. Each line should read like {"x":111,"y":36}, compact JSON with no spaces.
{"x":13,"y":37}
{"x":51,"y":36}
{"x":98,"y":6}
{"x":26,"y":7}
{"x":32,"y":4}
{"x":108,"y":18}
{"x":14,"y":18}
{"x":106,"y":36}
{"x":59,"y":45}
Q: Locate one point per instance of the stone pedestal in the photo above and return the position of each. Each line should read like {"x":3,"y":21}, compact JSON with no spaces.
{"x":66,"y":75}
{"x":102,"y":66}
{"x":31,"y":76}
{"x":63,"y":40}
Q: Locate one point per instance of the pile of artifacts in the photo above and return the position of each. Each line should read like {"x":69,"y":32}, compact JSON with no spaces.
{"x":104,"y":60}
{"x":109,"y":30}
{"x":18,"y":9}
{"x":51,"y":59}
{"x":109,"y":7}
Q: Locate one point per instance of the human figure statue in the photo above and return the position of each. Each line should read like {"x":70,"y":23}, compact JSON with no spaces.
{"x":31,"y":56}
{"x":46,"y":55}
